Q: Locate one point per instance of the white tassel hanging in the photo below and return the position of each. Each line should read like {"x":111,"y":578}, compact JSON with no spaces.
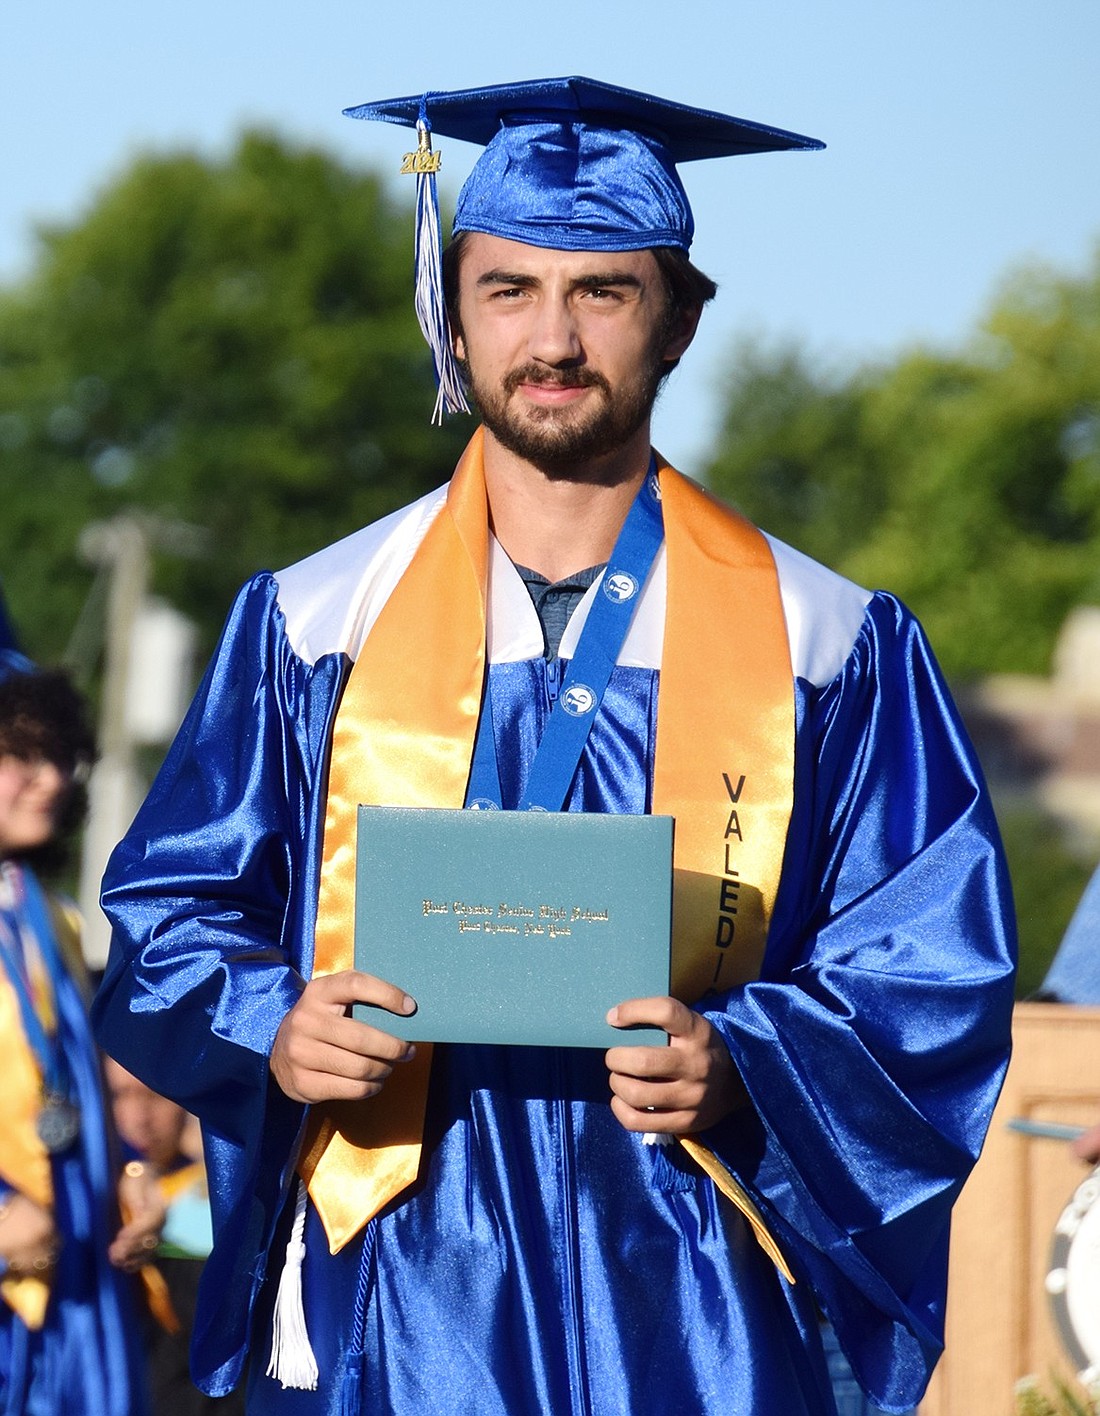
{"x":666,"y":1174}
{"x":431,"y":308}
{"x":292,"y":1361}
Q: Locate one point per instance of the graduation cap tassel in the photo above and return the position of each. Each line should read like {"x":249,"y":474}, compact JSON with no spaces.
{"x":292,"y":1361}
{"x":665,"y":1174}
{"x":431,"y":308}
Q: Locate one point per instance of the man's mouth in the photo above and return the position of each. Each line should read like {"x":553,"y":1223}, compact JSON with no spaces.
{"x":554,"y":395}
{"x":553,"y":389}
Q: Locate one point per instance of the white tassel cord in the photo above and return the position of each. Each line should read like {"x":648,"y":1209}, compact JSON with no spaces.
{"x":431,"y":308}
{"x":292,"y":1361}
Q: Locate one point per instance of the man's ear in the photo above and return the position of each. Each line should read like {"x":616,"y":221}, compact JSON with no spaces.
{"x":458,"y":344}
{"x":682,"y":333}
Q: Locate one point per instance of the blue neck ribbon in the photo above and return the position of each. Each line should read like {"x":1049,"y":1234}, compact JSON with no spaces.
{"x":586,"y":679}
{"x":36,"y":916}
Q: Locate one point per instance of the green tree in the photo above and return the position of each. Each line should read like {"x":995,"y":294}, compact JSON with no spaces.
{"x":969,"y":484}
{"x":793,"y":454}
{"x":230,"y":344}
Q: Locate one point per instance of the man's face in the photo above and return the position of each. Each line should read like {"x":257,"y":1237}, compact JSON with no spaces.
{"x":564,"y":350}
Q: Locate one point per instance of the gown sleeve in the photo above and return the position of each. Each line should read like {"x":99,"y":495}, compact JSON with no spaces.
{"x":874,"y":1044}
{"x":208,"y":893}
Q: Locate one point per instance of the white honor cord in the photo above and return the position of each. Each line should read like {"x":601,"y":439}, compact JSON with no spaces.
{"x":292,"y":1361}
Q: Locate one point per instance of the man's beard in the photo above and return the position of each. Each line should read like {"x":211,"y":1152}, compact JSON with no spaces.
{"x":560,"y":442}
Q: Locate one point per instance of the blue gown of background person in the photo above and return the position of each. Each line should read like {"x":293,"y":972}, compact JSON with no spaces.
{"x":547,"y":1260}
{"x":1074,"y":976}
{"x":86,"y":1359}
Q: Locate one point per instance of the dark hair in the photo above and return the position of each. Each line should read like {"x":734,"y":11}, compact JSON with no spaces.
{"x":43,"y":715}
{"x":688,"y":289}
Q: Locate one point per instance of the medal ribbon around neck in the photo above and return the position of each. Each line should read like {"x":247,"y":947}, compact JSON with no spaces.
{"x":405,"y":734}
{"x":27,"y":970}
{"x":24,"y":1159}
{"x":30,"y":970}
{"x":585,"y":683}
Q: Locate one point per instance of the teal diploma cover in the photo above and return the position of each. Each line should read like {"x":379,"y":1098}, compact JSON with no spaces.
{"x":519,"y":927}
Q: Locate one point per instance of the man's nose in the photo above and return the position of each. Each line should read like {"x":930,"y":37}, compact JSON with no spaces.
{"x":554,"y":338}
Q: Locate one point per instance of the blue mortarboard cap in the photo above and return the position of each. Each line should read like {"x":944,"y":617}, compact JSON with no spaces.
{"x":574,"y":164}
{"x":11,"y":660}
{"x":570,"y":164}
{"x":7,"y":633}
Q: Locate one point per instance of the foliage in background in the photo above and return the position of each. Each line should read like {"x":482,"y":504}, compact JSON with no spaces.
{"x":1047,"y":882}
{"x":1032,"y":1401}
{"x":228,"y":344}
{"x":231,"y":345}
{"x":969,"y":485}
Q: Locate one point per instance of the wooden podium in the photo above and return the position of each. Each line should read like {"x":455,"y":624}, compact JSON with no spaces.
{"x":999,"y":1326}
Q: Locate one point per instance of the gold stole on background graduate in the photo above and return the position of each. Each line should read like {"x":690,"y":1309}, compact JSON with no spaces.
{"x":24,"y":1160}
{"x":404,"y":736}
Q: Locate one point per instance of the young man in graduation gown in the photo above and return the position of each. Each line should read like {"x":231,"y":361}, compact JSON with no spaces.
{"x":526,"y":1230}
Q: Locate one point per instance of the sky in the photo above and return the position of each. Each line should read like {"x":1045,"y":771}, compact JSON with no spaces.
{"x":961,"y":136}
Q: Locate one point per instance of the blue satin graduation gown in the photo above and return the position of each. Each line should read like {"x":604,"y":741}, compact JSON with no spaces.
{"x":86,"y":1359}
{"x":547,"y":1260}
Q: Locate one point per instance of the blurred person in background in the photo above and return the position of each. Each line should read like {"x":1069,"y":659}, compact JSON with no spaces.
{"x":68,"y":1335}
{"x":165,"y":1135}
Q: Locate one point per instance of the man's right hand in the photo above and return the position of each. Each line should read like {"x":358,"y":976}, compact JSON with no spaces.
{"x":321,"y":1054}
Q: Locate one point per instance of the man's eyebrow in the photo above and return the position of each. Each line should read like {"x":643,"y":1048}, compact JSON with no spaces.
{"x":506,"y":277}
{"x":593,"y":281}
{"x":608,"y":279}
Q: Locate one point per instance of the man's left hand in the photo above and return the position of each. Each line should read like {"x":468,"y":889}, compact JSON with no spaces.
{"x":687,"y":1086}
